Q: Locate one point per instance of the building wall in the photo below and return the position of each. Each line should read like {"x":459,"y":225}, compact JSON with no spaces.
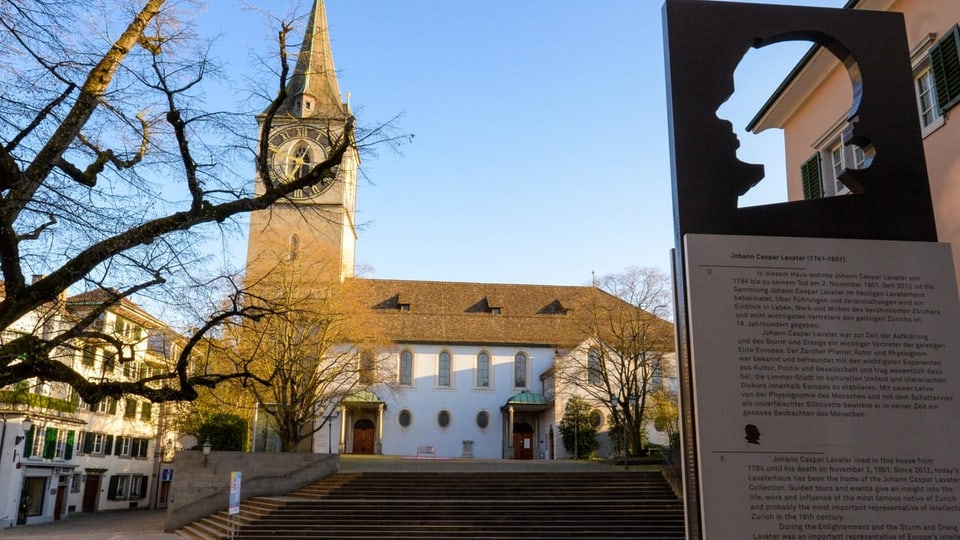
{"x":825,"y":105}
{"x":49,"y":473}
{"x":463,"y":400}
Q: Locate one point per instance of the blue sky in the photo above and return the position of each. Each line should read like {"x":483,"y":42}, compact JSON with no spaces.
{"x":540,"y":152}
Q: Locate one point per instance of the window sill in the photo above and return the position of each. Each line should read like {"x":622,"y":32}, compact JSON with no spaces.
{"x":934,"y":126}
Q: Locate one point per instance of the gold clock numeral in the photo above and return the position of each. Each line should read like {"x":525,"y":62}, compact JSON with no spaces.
{"x":298,"y":193}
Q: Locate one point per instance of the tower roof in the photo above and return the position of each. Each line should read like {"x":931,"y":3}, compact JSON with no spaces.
{"x":312,"y":89}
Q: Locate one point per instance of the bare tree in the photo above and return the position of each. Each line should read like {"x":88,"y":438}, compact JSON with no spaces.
{"x":317,"y":347}
{"x":111,"y":172}
{"x":629,"y":351}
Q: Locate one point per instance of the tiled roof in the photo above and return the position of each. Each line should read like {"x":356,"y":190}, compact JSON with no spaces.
{"x":479,"y":313}
{"x":95,"y":297}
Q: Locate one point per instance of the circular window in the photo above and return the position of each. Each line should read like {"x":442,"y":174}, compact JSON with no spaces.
{"x":405,"y":418}
{"x":483,"y":419}
{"x":596,"y":418}
{"x":443,"y":418}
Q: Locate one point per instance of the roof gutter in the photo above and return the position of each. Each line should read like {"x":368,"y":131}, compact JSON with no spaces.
{"x":788,"y":81}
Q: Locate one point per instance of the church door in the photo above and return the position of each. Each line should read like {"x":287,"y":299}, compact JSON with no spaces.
{"x":363,"y":436}
{"x":522,"y":441}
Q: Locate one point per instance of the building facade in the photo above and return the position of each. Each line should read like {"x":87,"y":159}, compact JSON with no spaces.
{"x":811,"y":107}
{"x":59,"y":455}
{"x":471,"y":364}
{"x":473,"y":371}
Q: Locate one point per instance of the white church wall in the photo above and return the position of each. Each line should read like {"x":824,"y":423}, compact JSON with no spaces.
{"x":463,"y":400}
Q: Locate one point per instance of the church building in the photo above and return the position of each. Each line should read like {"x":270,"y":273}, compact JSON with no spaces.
{"x":473,"y":367}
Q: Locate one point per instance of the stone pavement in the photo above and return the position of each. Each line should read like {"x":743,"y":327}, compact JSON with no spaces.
{"x":148,"y":524}
{"x":107,"y":525}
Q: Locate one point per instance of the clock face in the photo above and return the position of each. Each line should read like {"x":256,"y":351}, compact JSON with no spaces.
{"x":294,"y":152}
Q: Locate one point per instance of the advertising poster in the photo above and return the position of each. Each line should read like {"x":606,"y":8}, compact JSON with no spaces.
{"x":826,"y":376}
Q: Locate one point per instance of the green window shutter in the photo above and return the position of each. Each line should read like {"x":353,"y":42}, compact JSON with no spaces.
{"x":113,"y":406}
{"x":108,"y":446}
{"x":810,"y":176}
{"x":945,"y":65}
{"x":50,"y":443}
{"x":68,"y":450}
{"x":28,"y":445}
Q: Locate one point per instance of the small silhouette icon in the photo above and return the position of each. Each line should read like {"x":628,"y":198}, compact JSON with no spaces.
{"x":753,"y":434}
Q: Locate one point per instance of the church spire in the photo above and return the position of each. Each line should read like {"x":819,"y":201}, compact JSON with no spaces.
{"x":313,"y":90}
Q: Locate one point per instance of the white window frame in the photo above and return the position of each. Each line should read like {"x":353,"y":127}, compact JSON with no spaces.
{"x":444,"y":380}
{"x":401,"y":370}
{"x":122,"y":482}
{"x":923,"y":75}
{"x":60,"y":448}
{"x":138,"y":486}
{"x":926,"y":92}
{"x":123,"y":446}
{"x":99,"y":441}
{"x":139,"y":448}
{"x":526,"y":370}
{"x":489,"y":371}
{"x":839,"y":158}
{"x":39,"y":441}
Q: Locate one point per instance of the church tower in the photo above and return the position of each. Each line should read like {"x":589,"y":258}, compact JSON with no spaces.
{"x":318,"y":221}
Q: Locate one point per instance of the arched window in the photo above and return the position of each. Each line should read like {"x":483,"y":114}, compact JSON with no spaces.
{"x":594,"y":373}
{"x":406,"y":368}
{"x":520,"y":370}
{"x":483,"y":370}
{"x":443,"y":369}
{"x":368,"y":367}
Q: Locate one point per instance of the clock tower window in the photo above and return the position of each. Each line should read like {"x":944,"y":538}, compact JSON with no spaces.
{"x":294,"y":246}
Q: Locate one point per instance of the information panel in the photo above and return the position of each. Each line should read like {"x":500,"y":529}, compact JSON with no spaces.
{"x":825,"y":378}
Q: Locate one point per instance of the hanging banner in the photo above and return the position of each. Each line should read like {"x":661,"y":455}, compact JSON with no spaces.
{"x":234,"y":493}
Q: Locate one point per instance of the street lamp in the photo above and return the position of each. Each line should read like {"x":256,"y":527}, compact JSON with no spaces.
{"x":206,"y":451}
{"x":26,"y":424}
{"x":623,"y":425}
{"x":632,"y":406}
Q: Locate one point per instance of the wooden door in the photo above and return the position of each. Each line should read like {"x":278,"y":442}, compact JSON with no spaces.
{"x":522,"y":441}
{"x":363,"y":437}
{"x":164,"y":494}
{"x":58,"y":504}
{"x":91,"y":493}
{"x":522,"y":446}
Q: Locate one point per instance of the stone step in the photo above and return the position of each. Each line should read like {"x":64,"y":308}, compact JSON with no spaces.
{"x":475,"y":505}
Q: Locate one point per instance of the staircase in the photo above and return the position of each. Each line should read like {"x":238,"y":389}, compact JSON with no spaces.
{"x":607,"y":504}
